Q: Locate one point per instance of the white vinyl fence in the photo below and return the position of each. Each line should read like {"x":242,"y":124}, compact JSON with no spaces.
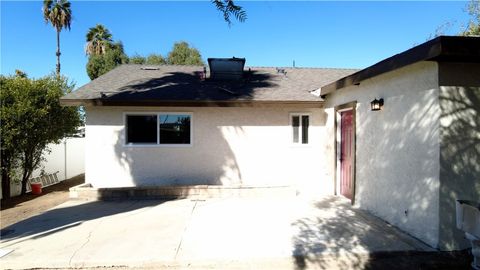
{"x":66,"y":159}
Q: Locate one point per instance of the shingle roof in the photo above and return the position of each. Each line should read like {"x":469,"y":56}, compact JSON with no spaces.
{"x":134,"y":84}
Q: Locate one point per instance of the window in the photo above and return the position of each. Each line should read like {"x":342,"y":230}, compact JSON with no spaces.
{"x":158,"y":129}
{"x":142,"y":129}
{"x":300,"y":124}
{"x":174,"y":129}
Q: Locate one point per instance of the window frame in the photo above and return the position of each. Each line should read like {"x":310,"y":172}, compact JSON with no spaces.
{"x":300,"y":133}
{"x":157,"y":144}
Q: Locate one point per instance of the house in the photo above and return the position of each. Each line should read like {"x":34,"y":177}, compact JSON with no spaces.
{"x":212,"y":131}
{"x":316,"y":130}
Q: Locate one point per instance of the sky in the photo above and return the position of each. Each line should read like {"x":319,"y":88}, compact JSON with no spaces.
{"x":313,"y":34}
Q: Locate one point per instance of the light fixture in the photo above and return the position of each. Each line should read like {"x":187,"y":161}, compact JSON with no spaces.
{"x":376,"y":104}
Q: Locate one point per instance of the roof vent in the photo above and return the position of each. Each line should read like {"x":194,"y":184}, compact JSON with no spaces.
{"x":149,"y":68}
{"x":281,"y":71}
{"x":226,"y":68}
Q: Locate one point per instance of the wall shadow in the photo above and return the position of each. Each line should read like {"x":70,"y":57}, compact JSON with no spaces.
{"x":337,"y":236}
{"x":397,"y":162}
{"x":228,"y":148}
{"x":64,"y":218}
{"x":180,"y":166}
{"x":460,"y":145}
{"x":334,"y":236}
{"x":459,"y":157}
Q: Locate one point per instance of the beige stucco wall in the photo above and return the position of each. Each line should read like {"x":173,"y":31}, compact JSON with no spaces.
{"x":231,"y":146}
{"x":397,"y":149}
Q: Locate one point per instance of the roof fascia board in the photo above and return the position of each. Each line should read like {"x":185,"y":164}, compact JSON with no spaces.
{"x":175,"y":103}
{"x":421,"y":52}
{"x":443,"y":48}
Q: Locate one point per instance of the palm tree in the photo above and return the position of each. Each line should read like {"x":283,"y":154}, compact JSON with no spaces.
{"x":228,"y":8}
{"x":99,"y":39}
{"x":59,"y":14}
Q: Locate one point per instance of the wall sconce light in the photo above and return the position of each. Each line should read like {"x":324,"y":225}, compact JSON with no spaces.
{"x":376,"y":104}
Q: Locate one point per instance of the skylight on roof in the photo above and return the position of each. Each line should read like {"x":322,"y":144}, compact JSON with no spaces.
{"x":226,"y":68}
{"x":149,"y":68}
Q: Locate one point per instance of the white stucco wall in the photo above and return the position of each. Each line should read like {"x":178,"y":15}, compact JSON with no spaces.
{"x":397,"y":149}
{"x":459,"y":146}
{"x":231,"y":146}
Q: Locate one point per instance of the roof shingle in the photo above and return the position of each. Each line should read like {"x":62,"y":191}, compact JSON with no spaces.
{"x":135,"y":83}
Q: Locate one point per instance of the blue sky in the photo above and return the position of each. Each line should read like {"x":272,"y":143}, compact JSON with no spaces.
{"x":314,"y":34}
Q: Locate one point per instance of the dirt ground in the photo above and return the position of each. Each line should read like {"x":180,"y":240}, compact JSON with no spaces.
{"x":19,"y":208}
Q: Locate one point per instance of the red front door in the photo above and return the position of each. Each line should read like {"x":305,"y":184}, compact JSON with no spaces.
{"x":346,"y":155}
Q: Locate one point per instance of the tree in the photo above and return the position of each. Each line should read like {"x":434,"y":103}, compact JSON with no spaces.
{"x":183,"y":54}
{"x":137,"y":59}
{"x":20,"y":73}
{"x":59,"y":14}
{"x":151,"y":59}
{"x":98,"y":65}
{"x":228,"y":8}
{"x":103,"y":54}
{"x":98,"y":39}
{"x":155,"y":59}
{"x":31,"y":117}
{"x":473,"y":27}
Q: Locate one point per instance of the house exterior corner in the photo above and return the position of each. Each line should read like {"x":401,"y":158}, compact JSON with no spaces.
{"x":459,"y":145}
{"x":397,"y":148}
{"x":419,"y":154}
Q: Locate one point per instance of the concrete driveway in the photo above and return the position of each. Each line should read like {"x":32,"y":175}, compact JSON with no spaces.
{"x":222,"y":233}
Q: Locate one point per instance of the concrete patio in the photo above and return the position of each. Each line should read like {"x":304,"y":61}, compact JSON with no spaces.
{"x":225,"y":233}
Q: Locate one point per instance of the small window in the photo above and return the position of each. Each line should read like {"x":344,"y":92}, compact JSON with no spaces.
{"x":158,"y":129}
{"x":305,"y":123}
{"x":296,"y":128}
{"x":300,"y":124}
{"x":142,"y":129}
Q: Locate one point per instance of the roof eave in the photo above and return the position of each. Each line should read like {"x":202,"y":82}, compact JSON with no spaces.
{"x":188,"y":103}
{"x":443,"y":48}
